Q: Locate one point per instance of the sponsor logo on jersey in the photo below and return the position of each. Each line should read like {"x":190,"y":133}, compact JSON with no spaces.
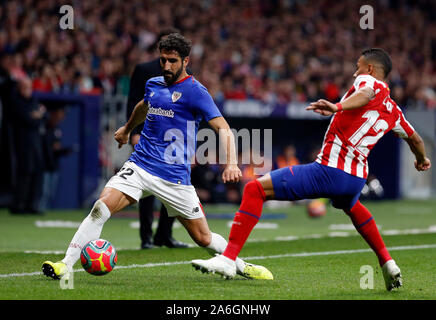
{"x":161,"y":112}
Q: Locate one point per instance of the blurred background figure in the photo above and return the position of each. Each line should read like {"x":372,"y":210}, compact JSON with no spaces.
{"x":53,"y":151}
{"x":6,"y":87}
{"x":28,"y":128}
{"x":288,"y":157}
{"x":7,"y":160}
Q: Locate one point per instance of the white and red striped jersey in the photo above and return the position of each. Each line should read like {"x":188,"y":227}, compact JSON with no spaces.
{"x":353,"y":133}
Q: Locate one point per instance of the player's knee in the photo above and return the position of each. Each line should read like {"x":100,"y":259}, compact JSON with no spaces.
{"x":254,"y":189}
{"x":203,"y":239}
{"x":101,"y":203}
{"x":115,"y":200}
{"x":99,"y":212}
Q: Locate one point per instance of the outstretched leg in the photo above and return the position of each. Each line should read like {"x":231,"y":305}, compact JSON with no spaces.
{"x":256,"y":192}
{"x":366,"y":226}
{"x":364,"y":223}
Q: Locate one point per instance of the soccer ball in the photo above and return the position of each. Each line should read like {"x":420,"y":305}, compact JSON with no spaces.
{"x":98,"y":257}
{"x":316,"y":208}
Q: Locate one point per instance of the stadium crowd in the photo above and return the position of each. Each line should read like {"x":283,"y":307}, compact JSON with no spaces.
{"x":277,"y":51}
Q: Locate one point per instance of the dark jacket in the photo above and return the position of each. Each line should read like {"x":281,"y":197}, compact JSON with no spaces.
{"x":27,"y":133}
{"x":140,"y":76}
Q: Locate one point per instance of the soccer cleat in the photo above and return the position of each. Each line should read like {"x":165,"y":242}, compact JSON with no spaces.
{"x":392,"y":275}
{"x":252,"y":271}
{"x":218,"y":264}
{"x":55,"y":270}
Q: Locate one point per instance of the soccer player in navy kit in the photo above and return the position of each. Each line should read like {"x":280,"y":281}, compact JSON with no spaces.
{"x":173,"y":106}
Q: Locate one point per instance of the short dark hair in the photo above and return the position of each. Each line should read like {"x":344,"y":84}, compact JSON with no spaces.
{"x":166,"y":32}
{"x":176,"y":42}
{"x":380,"y":56}
{"x":163,"y":33}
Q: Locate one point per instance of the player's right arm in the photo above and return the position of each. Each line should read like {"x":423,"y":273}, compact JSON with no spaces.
{"x":416,"y":144}
{"x":358,"y":99}
{"x":138,"y":116}
{"x":231,"y":172}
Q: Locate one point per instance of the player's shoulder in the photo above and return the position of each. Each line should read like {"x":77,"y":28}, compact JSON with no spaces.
{"x":395,"y":106}
{"x":197,"y":86}
{"x":363,"y":77}
{"x":391,"y":107}
{"x":156,"y":81}
{"x":364,"y":80}
{"x":381,"y":88}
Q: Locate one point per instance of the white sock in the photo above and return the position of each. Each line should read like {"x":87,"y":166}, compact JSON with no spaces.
{"x":89,"y":229}
{"x":217,"y":245}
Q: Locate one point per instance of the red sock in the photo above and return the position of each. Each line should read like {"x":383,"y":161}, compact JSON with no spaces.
{"x":365,"y":225}
{"x":246,"y":218}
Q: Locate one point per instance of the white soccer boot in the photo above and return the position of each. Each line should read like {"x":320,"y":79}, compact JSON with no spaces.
{"x":218,"y":264}
{"x":392,"y":275}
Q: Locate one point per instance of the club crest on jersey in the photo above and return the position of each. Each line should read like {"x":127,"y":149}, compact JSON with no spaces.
{"x":176,"y":96}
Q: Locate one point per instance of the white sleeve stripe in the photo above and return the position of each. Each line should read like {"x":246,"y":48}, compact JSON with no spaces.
{"x":400,"y":127}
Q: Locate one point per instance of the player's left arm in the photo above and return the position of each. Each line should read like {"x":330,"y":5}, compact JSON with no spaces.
{"x":358,"y":99}
{"x":231,"y":173}
{"x":416,"y":144}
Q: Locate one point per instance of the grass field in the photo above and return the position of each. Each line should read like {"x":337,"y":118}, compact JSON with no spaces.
{"x":310,"y":258}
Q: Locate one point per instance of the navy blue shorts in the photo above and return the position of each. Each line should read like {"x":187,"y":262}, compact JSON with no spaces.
{"x":311,"y":181}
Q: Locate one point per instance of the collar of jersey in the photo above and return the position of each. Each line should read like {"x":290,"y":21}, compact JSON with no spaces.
{"x":181,"y":80}
{"x":365,"y":74}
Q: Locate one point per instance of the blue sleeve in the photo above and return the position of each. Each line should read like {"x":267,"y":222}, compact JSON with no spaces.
{"x":147,"y":92}
{"x":204,"y":103}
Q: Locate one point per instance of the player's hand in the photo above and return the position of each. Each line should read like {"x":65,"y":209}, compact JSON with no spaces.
{"x":423,"y":165}
{"x":231,"y":174}
{"x":121,"y":136}
{"x":323,"y":107}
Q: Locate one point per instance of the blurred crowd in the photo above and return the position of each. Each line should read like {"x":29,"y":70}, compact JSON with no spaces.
{"x":277,"y":51}
{"x":209,"y":184}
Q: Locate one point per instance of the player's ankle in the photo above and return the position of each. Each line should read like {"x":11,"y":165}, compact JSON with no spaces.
{"x":230,"y":253}
{"x":383,"y":256}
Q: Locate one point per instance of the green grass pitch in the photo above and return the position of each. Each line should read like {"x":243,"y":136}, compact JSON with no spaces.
{"x":309,"y":258}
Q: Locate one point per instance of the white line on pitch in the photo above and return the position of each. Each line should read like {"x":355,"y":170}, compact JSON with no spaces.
{"x":335,"y":234}
{"x":286,"y":255}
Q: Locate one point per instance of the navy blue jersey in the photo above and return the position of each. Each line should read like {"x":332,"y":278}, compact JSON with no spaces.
{"x":168,"y":139}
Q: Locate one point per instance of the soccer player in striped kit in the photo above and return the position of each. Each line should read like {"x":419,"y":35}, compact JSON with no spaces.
{"x":363,"y":116}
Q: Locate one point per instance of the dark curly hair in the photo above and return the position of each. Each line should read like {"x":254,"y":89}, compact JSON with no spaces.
{"x":176,"y":42}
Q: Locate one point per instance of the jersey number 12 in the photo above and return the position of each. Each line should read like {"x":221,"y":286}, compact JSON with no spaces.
{"x":359,"y":139}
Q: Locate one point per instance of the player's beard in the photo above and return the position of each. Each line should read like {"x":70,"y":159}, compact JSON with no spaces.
{"x":170,"y":77}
